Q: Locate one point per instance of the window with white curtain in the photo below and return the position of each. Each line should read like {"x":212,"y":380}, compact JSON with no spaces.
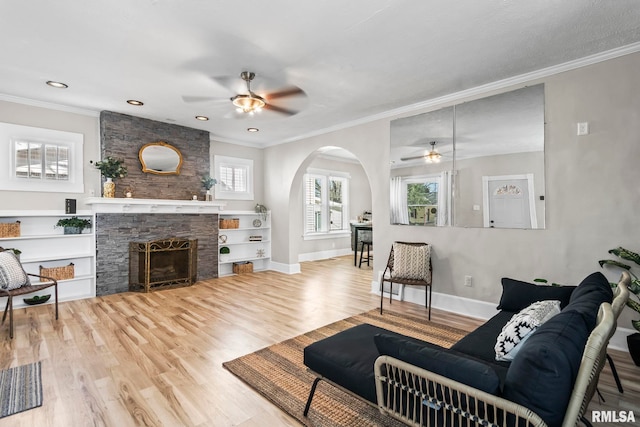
{"x":420,"y":200}
{"x":326,"y":202}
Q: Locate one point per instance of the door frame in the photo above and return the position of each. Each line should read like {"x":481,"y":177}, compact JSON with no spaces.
{"x":485,"y":196}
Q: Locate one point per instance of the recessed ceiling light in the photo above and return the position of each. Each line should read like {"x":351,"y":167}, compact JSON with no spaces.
{"x":253,"y":130}
{"x":59,"y":85}
{"x":135,"y":102}
{"x":202,"y":118}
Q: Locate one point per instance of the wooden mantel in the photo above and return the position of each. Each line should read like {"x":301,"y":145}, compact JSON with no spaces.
{"x":131,"y":205}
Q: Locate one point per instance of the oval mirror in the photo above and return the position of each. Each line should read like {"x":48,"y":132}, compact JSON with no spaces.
{"x":160,"y":158}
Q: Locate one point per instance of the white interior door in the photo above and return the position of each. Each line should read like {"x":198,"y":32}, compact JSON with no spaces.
{"x":508,"y":202}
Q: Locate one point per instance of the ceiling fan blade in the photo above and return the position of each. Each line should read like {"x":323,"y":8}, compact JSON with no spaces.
{"x":279,"y":109}
{"x":405,"y":159}
{"x":290,"y":91}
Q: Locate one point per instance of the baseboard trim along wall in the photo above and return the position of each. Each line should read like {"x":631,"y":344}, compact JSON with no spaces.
{"x":284,"y":268}
{"x":315,"y":256}
{"x":480,"y":309}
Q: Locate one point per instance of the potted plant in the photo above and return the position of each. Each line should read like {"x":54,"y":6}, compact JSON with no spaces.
{"x":633,"y":340}
{"x":207,"y":183}
{"x":111,"y":168}
{"x":73,"y":225}
{"x":224,"y":253}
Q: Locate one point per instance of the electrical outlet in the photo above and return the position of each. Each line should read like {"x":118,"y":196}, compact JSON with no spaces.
{"x":467,"y":281}
{"x":583,"y":128}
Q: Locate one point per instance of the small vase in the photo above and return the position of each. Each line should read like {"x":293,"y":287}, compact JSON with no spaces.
{"x":109,"y":189}
{"x":209,"y":196}
{"x":72,"y":230}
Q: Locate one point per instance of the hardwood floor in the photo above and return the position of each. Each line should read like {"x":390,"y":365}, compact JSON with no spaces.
{"x":155,"y":359}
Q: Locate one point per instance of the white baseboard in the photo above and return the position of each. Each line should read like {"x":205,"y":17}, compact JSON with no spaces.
{"x":315,"y":256}
{"x":480,"y":309}
{"x":284,"y":268}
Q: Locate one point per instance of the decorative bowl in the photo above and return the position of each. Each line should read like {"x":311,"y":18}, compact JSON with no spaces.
{"x":38,"y":299}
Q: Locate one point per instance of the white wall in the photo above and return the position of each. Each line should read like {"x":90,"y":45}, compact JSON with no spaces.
{"x":592,"y":190}
{"x":86,"y":124}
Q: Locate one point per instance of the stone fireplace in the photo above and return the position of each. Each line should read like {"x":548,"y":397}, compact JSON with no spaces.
{"x":122,"y":221}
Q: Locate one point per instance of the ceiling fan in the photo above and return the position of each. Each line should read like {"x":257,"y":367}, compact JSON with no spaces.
{"x":248,"y":102}
{"x":431,"y":157}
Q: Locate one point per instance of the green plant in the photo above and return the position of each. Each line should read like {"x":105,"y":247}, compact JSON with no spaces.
{"x":74,"y":221}
{"x":225,"y":250}
{"x":634,"y":286}
{"x":110,"y":167}
{"x":208,"y":182}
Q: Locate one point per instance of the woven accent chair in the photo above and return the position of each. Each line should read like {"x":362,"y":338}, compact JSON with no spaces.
{"x":394,"y":273}
{"x":14,"y":282}
{"x":621,"y":295}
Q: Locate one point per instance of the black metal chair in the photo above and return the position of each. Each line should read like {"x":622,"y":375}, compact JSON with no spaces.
{"x":391,"y":277}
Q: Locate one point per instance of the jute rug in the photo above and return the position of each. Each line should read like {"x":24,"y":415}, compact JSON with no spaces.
{"x":278,"y":373}
{"x":20,"y":389}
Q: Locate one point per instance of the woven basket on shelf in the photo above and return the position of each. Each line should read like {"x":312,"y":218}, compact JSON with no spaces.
{"x":229,"y":223}
{"x":58,"y":273}
{"x":10,"y":229}
{"x":242,"y":267}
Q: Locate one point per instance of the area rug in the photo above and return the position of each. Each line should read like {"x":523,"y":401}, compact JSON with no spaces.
{"x":278,"y":373}
{"x":20,"y":389}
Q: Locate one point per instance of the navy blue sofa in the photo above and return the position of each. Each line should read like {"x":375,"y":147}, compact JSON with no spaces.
{"x":541,"y":377}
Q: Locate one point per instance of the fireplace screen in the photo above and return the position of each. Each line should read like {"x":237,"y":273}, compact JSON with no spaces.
{"x":162,"y":264}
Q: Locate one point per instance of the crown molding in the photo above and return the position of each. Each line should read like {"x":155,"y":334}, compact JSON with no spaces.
{"x":478,"y":90}
{"x":49,"y":105}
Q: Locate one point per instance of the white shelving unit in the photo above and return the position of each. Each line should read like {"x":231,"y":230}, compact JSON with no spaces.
{"x":241,"y":248}
{"x":42,"y":244}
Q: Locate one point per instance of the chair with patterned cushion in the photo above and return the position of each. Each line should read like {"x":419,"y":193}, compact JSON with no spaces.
{"x":409,"y":264}
{"x":14,"y":281}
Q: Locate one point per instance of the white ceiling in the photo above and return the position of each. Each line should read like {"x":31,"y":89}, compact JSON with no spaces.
{"x":356,"y":60}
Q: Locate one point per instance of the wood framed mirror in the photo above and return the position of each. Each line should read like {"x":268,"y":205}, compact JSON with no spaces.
{"x":160,"y":158}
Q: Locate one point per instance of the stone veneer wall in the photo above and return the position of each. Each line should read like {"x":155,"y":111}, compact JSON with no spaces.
{"x":114,"y":231}
{"x":122,"y":136}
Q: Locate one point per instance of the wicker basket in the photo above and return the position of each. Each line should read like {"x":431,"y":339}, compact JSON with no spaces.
{"x":242,"y":267}
{"x":58,"y":273}
{"x":229,"y":223}
{"x":10,"y":229}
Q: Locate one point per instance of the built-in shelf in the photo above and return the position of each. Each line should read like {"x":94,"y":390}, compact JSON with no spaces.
{"x":44,"y":244}
{"x":241,"y":248}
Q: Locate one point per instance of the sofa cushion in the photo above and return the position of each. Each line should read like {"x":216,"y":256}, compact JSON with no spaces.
{"x":517,"y":295}
{"x":12,"y":275}
{"x":411,"y":261}
{"x":590,"y":293}
{"x":347,"y":358}
{"x":440,"y":361}
{"x":541,"y":377}
{"x":480,"y":343}
{"x":521,"y":325}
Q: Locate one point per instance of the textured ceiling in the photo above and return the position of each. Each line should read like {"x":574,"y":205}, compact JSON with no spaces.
{"x":355,"y":60}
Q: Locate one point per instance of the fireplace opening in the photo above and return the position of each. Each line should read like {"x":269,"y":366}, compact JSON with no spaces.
{"x":162,"y":264}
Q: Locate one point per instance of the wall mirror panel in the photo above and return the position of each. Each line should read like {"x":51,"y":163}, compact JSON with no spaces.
{"x":491,"y":167}
{"x":160,"y":158}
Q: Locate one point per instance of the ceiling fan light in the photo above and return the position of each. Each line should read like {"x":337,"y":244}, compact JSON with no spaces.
{"x":248,"y":103}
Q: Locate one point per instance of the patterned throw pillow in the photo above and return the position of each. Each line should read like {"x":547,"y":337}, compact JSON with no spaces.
{"x":522,"y":325}
{"x":12,"y":275}
{"x":411,"y":262}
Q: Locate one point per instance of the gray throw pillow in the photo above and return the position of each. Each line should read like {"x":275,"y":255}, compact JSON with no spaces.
{"x":12,"y":275}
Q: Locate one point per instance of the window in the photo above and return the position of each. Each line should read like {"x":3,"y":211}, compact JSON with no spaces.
{"x":421,"y":200}
{"x":326,"y":202}
{"x":40,"y":159}
{"x":235,"y":178}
